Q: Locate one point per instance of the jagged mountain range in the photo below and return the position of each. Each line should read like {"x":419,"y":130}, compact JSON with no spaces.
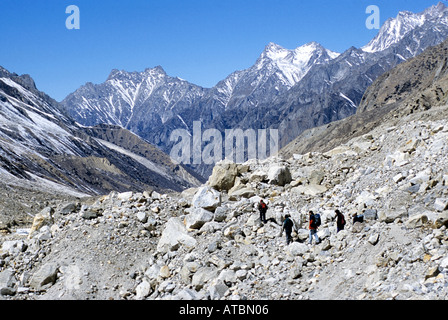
{"x":415,"y":86}
{"x":40,"y":146}
{"x":395,"y":29}
{"x":289,"y":90}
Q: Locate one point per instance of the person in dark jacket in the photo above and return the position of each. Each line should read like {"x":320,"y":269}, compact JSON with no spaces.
{"x":287,"y":226}
{"x":262,"y":207}
{"x":358,"y":217}
{"x":313,"y":229}
{"x":340,"y":222}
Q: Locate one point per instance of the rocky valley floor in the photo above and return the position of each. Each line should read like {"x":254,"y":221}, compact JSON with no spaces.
{"x":209,"y":243}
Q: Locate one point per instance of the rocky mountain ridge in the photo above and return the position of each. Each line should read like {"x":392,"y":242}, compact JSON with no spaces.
{"x":406,"y":22}
{"x":418,"y":84}
{"x":288,"y":90}
{"x":44,"y":152}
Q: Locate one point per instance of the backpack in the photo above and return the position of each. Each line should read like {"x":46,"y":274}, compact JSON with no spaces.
{"x":263,"y":206}
{"x":317,"y":220}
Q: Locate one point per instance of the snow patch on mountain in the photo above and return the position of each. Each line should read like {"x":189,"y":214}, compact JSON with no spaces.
{"x":349,"y":100}
{"x":293,"y":65}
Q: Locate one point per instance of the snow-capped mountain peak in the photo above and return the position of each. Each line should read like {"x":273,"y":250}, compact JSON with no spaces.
{"x":116,"y":74}
{"x":437,"y":10}
{"x":274,"y":52}
{"x":395,"y":29}
{"x":293,"y":65}
{"x":42,"y":149}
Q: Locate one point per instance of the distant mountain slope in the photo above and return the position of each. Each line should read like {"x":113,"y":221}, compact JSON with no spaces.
{"x":420,"y":83}
{"x":126,"y":142}
{"x":414,"y":86}
{"x":39,"y":143}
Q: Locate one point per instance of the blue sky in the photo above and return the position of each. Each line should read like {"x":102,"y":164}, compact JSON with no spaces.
{"x":201,"y":41}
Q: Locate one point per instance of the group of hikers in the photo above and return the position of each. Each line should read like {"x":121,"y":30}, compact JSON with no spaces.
{"x":314,"y":223}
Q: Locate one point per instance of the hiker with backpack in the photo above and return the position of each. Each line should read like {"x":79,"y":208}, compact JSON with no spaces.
{"x":340,"y":222}
{"x":262,"y":207}
{"x":288,"y":224}
{"x":315,"y":222}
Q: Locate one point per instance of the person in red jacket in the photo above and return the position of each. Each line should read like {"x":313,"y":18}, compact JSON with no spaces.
{"x":262,"y":207}
{"x":313,"y":229}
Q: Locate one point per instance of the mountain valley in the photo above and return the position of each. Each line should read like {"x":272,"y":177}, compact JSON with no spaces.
{"x":93,"y":208}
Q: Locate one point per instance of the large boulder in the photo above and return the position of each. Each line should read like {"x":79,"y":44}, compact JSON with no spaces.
{"x":43,"y":218}
{"x":442,"y":220}
{"x":296,"y":249}
{"x":69,"y":208}
{"x":143,"y":290}
{"x":197,"y":218}
{"x":174,"y":236}
{"x":45,"y":276}
{"x":14,"y":247}
{"x":279,"y":175}
{"x":309,"y":189}
{"x":441,"y":204}
{"x":416,"y":221}
{"x":202,"y":276}
{"x":207,"y":198}
{"x":223,"y":175}
{"x":390,"y":216}
{"x":241,"y":193}
{"x":7,"y":282}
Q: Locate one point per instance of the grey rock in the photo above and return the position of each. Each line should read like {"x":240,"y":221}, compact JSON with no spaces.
{"x":441,"y":204}
{"x":316,"y":177}
{"x":197,"y":218}
{"x":188,"y":294}
{"x":442,"y":219}
{"x":14,"y":247}
{"x":279,"y":175}
{"x":242,"y":193}
{"x":46,"y":275}
{"x":373,"y":239}
{"x":142,"y":217}
{"x":69,"y":208}
{"x":218,"y":290}
{"x":223,"y":175}
{"x":143,"y":290}
{"x":174,"y":236}
{"x":417,"y":221}
{"x":202,"y":276}
{"x":220,"y":214}
{"x":370,"y":214}
{"x":207,"y":198}
{"x":7,"y":283}
{"x":89,"y":213}
{"x":326,"y":245}
{"x":296,"y":249}
{"x":391,"y":215}
{"x":6,"y":291}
